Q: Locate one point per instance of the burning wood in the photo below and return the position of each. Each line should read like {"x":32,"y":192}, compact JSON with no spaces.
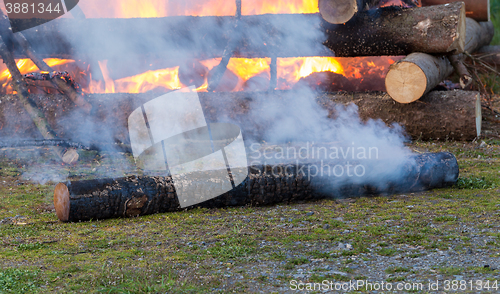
{"x":25,"y":45}
{"x":387,"y":31}
{"x":265,"y":185}
{"x":67,"y":155}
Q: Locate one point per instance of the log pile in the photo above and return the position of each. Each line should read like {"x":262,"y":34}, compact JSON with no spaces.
{"x":435,"y":37}
{"x":385,"y":31}
{"x":418,"y":73}
{"x":265,"y":185}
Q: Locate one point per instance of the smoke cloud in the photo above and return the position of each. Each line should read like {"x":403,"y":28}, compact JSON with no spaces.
{"x":297,"y":121}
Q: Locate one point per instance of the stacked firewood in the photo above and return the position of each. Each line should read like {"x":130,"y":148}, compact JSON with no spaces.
{"x":439,"y":34}
{"x":434,"y":37}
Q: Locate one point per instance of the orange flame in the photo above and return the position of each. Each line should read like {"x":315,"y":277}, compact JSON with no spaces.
{"x":26,"y":66}
{"x":290,"y":70}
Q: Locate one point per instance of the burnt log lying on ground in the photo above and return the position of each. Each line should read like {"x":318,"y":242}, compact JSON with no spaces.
{"x":453,"y":115}
{"x":385,"y":31}
{"x":265,"y":185}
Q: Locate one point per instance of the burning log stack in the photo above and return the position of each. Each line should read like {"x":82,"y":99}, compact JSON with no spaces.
{"x":433,"y":37}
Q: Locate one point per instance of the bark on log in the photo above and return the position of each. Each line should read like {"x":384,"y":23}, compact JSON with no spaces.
{"x":438,"y":116}
{"x":478,"y":35}
{"x":433,"y":29}
{"x":265,"y":185}
{"x":418,"y":73}
{"x":475,"y":9}
{"x":339,"y":11}
{"x":385,"y":31}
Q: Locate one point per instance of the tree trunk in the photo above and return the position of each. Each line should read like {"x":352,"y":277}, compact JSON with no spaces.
{"x":339,"y":11}
{"x":415,"y":75}
{"x":265,"y":185}
{"x":475,"y":9}
{"x":384,"y":31}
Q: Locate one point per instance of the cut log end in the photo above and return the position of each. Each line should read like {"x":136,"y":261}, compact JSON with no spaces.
{"x":70,"y":156}
{"x":406,"y":82}
{"x":338,"y":11}
{"x":61,"y":202}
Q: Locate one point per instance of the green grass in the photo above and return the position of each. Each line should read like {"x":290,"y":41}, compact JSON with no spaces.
{"x":474,"y":183}
{"x":200,"y":250}
{"x":18,"y":281}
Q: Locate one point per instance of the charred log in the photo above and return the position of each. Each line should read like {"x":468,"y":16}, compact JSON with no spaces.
{"x":265,"y":185}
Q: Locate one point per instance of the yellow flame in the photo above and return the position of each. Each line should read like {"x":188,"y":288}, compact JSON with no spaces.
{"x":293,"y":69}
{"x":252,"y":7}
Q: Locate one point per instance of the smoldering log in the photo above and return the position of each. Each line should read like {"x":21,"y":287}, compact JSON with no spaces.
{"x":478,"y":10}
{"x":265,"y":185}
{"x":415,"y":75}
{"x":452,"y":115}
{"x":384,"y":31}
{"x":36,"y":116}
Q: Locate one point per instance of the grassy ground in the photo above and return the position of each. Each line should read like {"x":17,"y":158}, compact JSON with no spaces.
{"x":252,"y":249}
